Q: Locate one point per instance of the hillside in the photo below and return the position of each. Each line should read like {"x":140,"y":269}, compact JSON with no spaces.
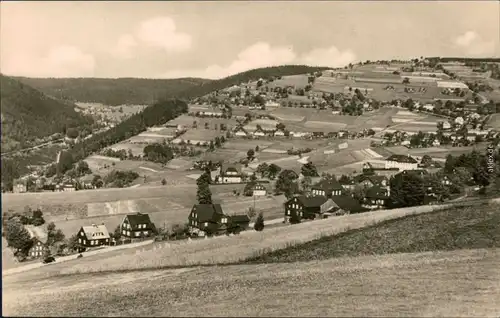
{"x":108,"y":91}
{"x":244,"y":77}
{"x":28,"y":114}
{"x":453,"y":229}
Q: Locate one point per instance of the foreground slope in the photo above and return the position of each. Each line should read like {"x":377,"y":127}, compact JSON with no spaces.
{"x":449,"y":284}
{"x":113,"y":91}
{"x":28,"y":114}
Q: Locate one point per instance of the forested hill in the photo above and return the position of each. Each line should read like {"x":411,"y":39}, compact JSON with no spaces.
{"x":28,"y":114}
{"x":265,"y":73}
{"x":113,"y":92}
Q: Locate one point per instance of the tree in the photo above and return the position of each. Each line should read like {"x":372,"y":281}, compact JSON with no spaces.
{"x":163,"y":181}
{"x":250,"y":154}
{"x":306,"y":183}
{"x":203,"y":193}
{"x":97,"y":181}
{"x":309,"y":170}
{"x":259,"y":223}
{"x":17,"y":236}
{"x":407,"y":190}
{"x":73,"y":244}
{"x":426,"y":160}
{"x":117,"y":233}
{"x":72,"y":133}
{"x":449,"y":165}
{"x":273,"y":170}
{"x":37,"y":218}
{"x":54,"y":235}
{"x":286,"y":183}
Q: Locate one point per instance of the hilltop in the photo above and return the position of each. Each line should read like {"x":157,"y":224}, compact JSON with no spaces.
{"x":111,"y":91}
{"x":252,"y":75}
{"x":28,"y":114}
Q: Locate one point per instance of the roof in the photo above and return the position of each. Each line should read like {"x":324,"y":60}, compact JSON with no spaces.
{"x":348,"y":203}
{"x":241,"y":218}
{"x":402,"y":159}
{"x":313,"y":201}
{"x":416,"y":172}
{"x":138,"y":218}
{"x":376,"y":192}
{"x":208,"y":212}
{"x":230,"y":168}
{"x":93,"y":232}
{"x":328,"y":185}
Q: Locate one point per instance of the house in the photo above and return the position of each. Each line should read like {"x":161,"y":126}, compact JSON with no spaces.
{"x":38,"y":249}
{"x":376,"y":197}
{"x":137,"y":225}
{"x":238,"y":223}
{"x":93,"y":236}
{"x":271,"y":104}
{"x":207,"y":219}
{"x":230,"y":174}
{"x":428,"y":107}
{"x":240,"y":132}
{"x":415,"y":172}
{"x":471,"y":136}
{"x":280,"y":132}
{"x":401,"y":162}
{"x":259,"y":190}
{"x":346,"y":204}
{"x":20,"y":186}
{"x":372,"y":181}
{"x":307,"y":207}
{"x":261,"y":132}
{"x":327,"y":188}
{"x":445,"y":180}
{"x":436,"y":143}
{"x":446,"y":125}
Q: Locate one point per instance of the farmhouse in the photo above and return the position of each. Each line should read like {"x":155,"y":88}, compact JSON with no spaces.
{"x":259,"y":190}
{"x":346,"y":204}
{"x":272,"y":104}
{"x":37,"y":249}
{"x":137,"y":225}
{"x":327,"y":188}
{"x":376,"y":197}
{"x":93,"y":236}
{"x":20,"y":186}
{"x":230,"y":174}
{"x":240,"y":132}
{"x":401,"y":162}
{"x":306,"y":207}
{"x":207,"y":219}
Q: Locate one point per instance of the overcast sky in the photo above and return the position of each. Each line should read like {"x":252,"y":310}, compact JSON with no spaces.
{"x":214,"y":40}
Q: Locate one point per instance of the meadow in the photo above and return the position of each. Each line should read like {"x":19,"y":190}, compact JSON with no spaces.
{"x":228,"y":249}
{"x":444,"y":284}
{"x":453,"y":229}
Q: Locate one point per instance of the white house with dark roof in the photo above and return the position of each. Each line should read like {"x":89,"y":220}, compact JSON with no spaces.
{"x":401,"y":162}
{"x":230,"y":174}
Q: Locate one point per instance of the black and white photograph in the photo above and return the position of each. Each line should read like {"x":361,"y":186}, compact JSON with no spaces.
{"x":250,"y":158}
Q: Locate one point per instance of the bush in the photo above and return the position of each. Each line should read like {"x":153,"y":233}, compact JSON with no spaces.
{"x":259,"y":223}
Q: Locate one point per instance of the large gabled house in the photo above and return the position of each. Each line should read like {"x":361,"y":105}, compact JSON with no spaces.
{"x":401,"y":162}
{"x":230,"y":174}
{"x":137,"y":226}
{"x":207,"y":219}
{"x":93,"y":236}
{"x":307,"y":207}
{"x":327,"y":188}
{"x":346,"y":204}
{"x":38,"y":249}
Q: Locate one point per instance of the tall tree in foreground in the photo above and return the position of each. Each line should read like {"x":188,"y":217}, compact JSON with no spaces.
{"x":259,"y":223}
{"x":203,"y":194}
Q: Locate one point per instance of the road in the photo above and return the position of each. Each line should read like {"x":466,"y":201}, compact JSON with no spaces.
{"x":32,"y":148}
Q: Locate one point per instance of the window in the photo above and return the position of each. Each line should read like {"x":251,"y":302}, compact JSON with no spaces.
{"x":124,"y":232}
{"x":137,"y":233}
{"x":128,"y":233}
{"x":145,"y":233}
{"x":84,"y":241}
{"x":92,"y":242}
{"x":224,"y":220}
{"x":206,"y":223}
{"x":288,"y":212}
{"x":80,"y":240}
{"x":81,"y":233}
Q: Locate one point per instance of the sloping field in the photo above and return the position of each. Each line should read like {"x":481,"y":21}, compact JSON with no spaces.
{"x":179,"y":163}
{"x":365,"y":154}
{"x":324,"y":126}
{"x":456,"y":284}
{"x":299,"y":81}
{"x":494,"y":121}
{"x":244,"y":145}
{"x":135,"y":146}
{"x":452,"y":229}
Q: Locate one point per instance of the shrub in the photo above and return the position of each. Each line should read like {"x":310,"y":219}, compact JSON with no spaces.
{"x":259,"y":223}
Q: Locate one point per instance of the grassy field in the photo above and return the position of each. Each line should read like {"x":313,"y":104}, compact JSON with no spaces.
{"x":460,"y":283}
{"x":225,"y":249}
{"x":298,"y":81}
{"x":136,"y":148}
{"x":459,"y":228}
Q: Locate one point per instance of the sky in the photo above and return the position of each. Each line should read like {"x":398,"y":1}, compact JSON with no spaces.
{"x":217,"y":39}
